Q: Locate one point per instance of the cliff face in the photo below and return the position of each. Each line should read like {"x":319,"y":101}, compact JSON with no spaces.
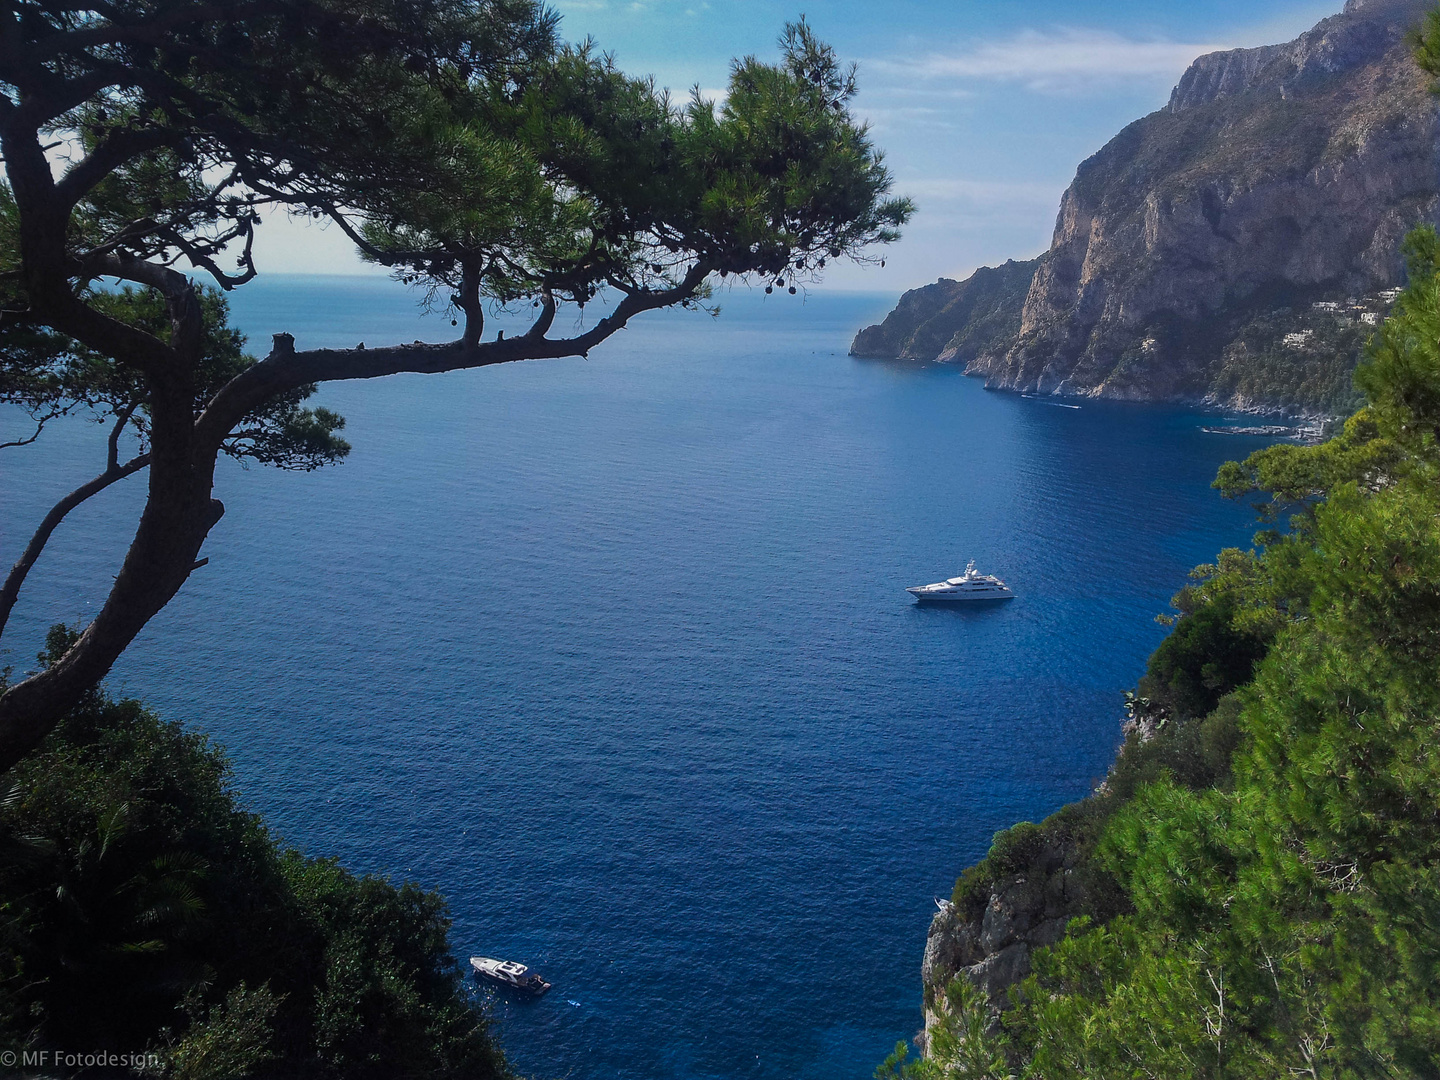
{"x":1363,"y":31}
{"x":1019,"y":913}
{"x":1021,"y":898}
{"x":1275,"y":177}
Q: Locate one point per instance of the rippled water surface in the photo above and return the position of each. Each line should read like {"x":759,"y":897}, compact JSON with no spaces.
{"x":616,"y":654}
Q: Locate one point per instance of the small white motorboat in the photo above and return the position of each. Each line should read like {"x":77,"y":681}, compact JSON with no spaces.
{"x":508,"y":973}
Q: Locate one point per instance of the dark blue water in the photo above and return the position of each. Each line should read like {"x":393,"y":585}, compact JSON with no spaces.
{"x":616,"y":654}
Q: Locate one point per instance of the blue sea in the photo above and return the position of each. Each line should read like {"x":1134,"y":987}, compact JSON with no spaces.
{"x":616,"y":653}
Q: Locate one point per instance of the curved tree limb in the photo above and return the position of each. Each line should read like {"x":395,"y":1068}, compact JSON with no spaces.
{"x":202,"y":259}
{"x":10,"y":590}
{"x":114,"y":472}
{"x":285,"y":369}
{"x":178,"y":515}
{"x":80,"y":179}
{"x":40,"y":423}
{"x":154,"y":30}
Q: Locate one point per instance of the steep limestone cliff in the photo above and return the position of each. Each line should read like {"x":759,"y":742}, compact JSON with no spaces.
{"x":1017,"y":914}
{"x":1275,"y":178}
{"x":1019,"y":899}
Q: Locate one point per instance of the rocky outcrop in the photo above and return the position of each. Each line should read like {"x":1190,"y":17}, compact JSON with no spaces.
{"x":965,"y":320}
{"x":991,"y":940}
{"x":1275,"y":178}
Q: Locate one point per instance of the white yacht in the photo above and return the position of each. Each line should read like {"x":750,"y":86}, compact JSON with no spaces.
{"x":970,"y":585}
{"x":508,"y":973}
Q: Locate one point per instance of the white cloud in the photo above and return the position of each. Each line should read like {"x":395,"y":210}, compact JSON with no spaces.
{"x":1065,"y":58}
{"x":634,"y":7}
{"x":884,"y":120}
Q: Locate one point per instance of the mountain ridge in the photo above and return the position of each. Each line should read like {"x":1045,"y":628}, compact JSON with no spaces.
{"x":1275,"y":178}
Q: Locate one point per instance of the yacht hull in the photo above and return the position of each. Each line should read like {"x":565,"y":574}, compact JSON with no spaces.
{"x":534,"y":991}
{"x":971,"y":599}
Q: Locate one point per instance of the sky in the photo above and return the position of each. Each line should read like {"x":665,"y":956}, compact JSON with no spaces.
{"x":983,"y":108}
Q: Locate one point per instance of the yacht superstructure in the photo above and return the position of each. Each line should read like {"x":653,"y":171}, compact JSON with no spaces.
{"x":508,"y":973}
{"x":971,"y":585}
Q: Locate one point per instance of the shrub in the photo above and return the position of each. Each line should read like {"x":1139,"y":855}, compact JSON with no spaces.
{"x":142,"y":908}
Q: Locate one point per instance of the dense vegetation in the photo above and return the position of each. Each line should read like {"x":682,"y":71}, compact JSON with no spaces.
{"x":1259,"y":366}
{"x":1262,"y":868}
{"x":142,"y":911}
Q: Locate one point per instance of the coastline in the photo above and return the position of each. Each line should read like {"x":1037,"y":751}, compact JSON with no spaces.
{"x":1294,"y":416}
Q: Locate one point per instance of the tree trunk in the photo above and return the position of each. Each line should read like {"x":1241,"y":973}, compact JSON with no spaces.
{"x":180,"y":512}
{"x":178,"y":515}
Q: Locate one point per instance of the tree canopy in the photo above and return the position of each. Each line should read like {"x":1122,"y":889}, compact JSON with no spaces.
{"x":459,"y":142}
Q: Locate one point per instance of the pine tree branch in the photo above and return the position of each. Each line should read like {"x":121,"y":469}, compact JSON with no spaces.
{"x":286,"y":369}
{"x":114,"y":472}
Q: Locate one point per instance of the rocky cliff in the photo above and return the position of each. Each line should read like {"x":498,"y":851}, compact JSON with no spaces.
{"x":1018,"y":899}
{"x":966,"y":321}
{"x":1276,"y":178}
{"x":1020,"y":912}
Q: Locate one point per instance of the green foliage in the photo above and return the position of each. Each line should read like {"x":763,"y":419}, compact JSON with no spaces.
{"x":1296,"y":476}
{"x":1425,"y":44}
{"x":960,"y":1043}
{"x":1120,"y":1001}
{"x":229,"y":1039}
{"x":468,"y":147}
{"x":1259,"y":365}
{"x":50,"y":375}
{"x":1011,"y":852}
{"x":1270,"y":826}
{"x":582,"y":178}
{"x":140,"y":908}
{"x":1421,"y":250}
{"x":1401,"y":375}
{"x":1195,"y":752}
{"x":1205,"y":657}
